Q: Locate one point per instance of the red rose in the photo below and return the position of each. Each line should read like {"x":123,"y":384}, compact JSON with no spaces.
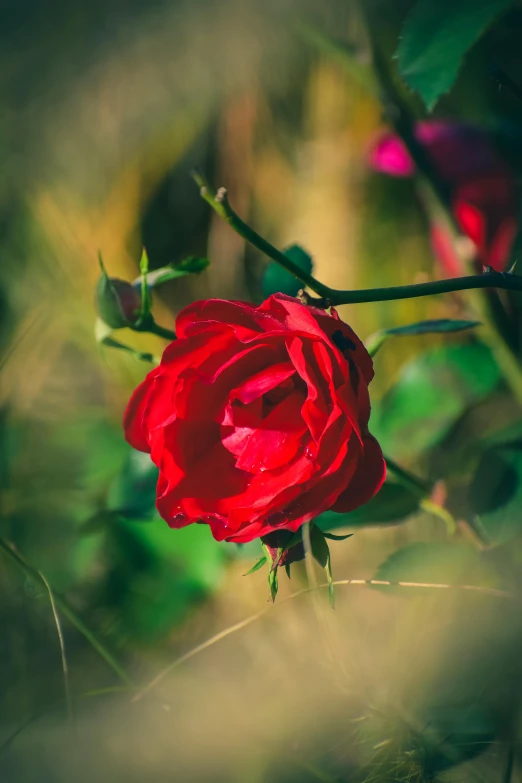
{"x":258,"y":418}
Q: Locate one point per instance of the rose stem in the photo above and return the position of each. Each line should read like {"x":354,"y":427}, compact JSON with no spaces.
{"x":153,"y":328}
{"x":67,"y":610}
{"x":220,"y":204}
{"x":333,"y":296}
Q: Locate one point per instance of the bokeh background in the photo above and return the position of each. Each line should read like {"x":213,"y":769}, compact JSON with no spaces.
{"x":104,"y":109}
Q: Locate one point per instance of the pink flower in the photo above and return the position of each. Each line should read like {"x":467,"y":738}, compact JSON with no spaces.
{"x":483,"y":191}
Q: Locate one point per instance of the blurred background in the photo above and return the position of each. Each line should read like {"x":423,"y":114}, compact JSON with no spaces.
{"x":104,"y":109}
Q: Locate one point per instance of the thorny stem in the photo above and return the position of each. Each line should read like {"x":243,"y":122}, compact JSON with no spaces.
{"x":333,"y":296}
{"x":219,"y":202}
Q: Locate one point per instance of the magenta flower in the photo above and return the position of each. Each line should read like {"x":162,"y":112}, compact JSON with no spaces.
{"x":483,"y":191}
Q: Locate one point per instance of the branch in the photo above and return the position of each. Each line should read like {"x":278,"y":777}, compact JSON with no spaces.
{"x":332,"y":296}
{"x":220,"y":204}
{"x":489,"y":279}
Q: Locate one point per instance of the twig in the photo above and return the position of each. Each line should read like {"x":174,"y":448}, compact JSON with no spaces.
{"x":65,"y":668}
{"x":219,"y":202}
{"x":68,"y":611}
{"x":333,"y":296}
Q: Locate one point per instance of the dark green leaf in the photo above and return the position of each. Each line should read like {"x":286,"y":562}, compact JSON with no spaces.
{"x":431,"y":393}
{"x":333,"y":537}
{"x":437,"y":326}
{"x":260,"y":563}
{"x":495,"y":494}
{"x":276,"y":279}
{"x":393,"y":503}
{"x":320,"y":549}
{"x":436,"y":36}
{"x":439,"y":563}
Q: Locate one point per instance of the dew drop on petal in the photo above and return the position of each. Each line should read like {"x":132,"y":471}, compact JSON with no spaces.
{"x":309,"y":453}
{"x":179,"y":519}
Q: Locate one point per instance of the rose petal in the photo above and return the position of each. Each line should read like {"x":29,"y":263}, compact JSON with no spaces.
{"x":367,"y":479}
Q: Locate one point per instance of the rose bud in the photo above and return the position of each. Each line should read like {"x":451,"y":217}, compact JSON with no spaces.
{"x":483,"y":192}
{"x":117,"y":301}
{"x":277,"y":543}
{"x":257,"y":418}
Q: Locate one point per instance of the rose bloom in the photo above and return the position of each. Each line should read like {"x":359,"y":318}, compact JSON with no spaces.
{"x":257,"y":418}
{"x":483,"y":191}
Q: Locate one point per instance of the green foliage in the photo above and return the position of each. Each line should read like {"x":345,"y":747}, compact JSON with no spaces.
{"x":435,"y":38}
{"x":425,"y":741}
{"x":495,"y":493}
{"x":453,"y":735}
{"x":431,"y":393}
{"x":392,"y":504}
{"x":277,"y":280}
{"x":133,"y":491}
{"x":438,"y":326}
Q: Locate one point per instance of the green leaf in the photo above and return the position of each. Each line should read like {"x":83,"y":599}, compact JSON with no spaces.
{"x":435,"y":37}
{"x":273,"y":583}
{"x":495,"y":493}
{"x":333,"y":537}
{"x":260,"y":563}
{"x":102,"y":333}
{"x":133,"y":492}
{"x":320,"y":549}
{"x":321,"y":552}
{"x":393,"y":503}
{"x":276,"y":279}
{"x":438,"y":563}
{"x":189,"y":266}
{"x":432,"y":392}
{"x":146,"y":299}
{"x":437,"y":326}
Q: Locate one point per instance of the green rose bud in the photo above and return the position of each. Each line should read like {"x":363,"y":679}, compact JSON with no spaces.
{"x":117,"y":302}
